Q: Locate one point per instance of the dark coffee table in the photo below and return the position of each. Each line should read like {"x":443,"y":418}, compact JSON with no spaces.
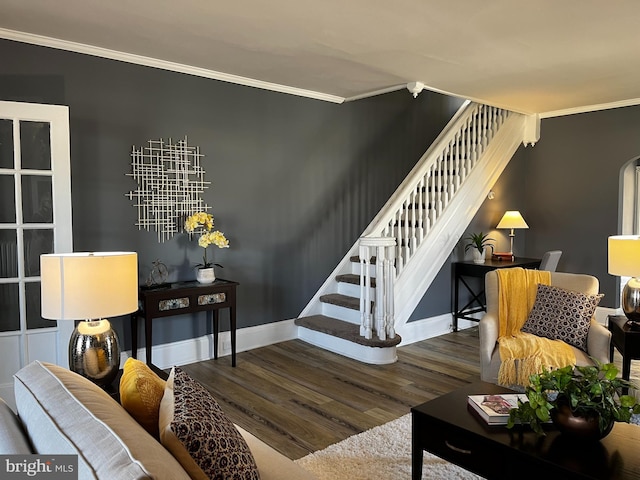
{"x":447,"y":428}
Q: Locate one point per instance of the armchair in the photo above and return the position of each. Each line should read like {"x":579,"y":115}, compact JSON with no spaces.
{"x":598,"y":339}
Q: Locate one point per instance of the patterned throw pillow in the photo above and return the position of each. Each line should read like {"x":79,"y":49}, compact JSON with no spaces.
{"x":196,"y":431}
{"x":561,"y":314}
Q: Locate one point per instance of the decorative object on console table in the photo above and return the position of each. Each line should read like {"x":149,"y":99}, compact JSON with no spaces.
{"x":158,"y":274}
{"x":479,"y":242}
{"x":184,"y":298}
{"x":624,"y":261}
{"x":512,"y":219}
{"x":89,"y":287}
{"x":202,"y":223}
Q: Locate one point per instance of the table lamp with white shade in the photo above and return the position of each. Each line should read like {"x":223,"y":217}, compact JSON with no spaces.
{"x":512,"y":219}
{"x":624,"y":261}
{"x":90,"y":287}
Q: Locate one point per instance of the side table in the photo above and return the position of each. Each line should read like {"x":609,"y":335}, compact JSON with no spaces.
{"x":478,"y":270}
{"x":626,"y":340}
{"x":180,"y":298}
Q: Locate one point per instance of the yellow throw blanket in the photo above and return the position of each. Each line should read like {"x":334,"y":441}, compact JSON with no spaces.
{"x":523,"y":354}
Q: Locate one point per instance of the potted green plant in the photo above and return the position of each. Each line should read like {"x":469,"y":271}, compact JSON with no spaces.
{"x":583,"y":401}
{"x":479,"y":242}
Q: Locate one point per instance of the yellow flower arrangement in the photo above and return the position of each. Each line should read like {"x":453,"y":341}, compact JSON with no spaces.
{"x":217,"y":238}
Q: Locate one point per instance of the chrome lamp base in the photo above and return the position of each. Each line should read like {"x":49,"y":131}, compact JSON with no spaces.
{"x":631,"y":302}
{"x":94,"y":351}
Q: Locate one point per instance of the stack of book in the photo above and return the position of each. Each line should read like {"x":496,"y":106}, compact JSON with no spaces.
{"x":494,"y":409}
{"x":503,"y":256}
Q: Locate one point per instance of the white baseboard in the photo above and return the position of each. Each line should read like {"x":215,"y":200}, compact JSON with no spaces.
{"x":425,"y":328}
{"x":201,"y":348}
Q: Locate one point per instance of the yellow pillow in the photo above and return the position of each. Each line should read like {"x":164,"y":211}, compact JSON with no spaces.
{"x":141,"y":391}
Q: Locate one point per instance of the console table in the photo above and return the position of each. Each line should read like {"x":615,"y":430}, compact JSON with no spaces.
{"x":182,"y":298}
{"x":478,"y":270}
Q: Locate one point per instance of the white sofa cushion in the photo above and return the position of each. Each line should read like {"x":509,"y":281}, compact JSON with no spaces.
{"x":65,"y":413}
{"x":13,"y":439}
{"x":272,"y":465}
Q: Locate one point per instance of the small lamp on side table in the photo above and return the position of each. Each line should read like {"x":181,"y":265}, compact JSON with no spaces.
{"x":89,"y":287}
{"x":624,"y":261}
{"x":512,"y":219}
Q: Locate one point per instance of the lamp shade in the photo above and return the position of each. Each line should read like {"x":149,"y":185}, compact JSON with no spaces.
{"x":624,"y":255}
{"x":81,"y":286}
{"x":512,"y":219}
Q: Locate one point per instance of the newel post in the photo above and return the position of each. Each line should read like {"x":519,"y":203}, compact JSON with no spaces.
{"x":380,"y":317}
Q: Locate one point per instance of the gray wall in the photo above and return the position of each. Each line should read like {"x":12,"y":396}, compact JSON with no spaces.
{"x":572,"y":184}
{"x":294,"y":180}
{"x":567,"y":188}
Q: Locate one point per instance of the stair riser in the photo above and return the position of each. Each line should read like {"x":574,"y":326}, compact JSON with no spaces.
{"x":355,"y":268}
{"x":354,"y":290}
{"x":342,"y":313}
{"x":374,"y":356}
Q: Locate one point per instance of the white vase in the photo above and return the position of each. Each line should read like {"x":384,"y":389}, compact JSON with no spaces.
{"x":478,"y":257}
{"x":205,"y":275}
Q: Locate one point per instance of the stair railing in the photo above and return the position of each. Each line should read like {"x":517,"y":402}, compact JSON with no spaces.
{"x":412,"y":211}
{"x":379,"y":317}
{"x":420,"y":200}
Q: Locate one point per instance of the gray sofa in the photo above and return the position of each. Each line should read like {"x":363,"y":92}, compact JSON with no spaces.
{"x":60,"y":412}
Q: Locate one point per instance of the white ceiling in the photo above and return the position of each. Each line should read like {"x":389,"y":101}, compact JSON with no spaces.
{"x":547,"y":56}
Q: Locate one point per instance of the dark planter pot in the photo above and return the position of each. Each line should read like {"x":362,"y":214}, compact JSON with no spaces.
{"x":580,"y":428}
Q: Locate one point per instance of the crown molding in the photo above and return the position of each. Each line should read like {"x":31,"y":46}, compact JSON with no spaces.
{"x":382,"y":91}
{"x":591,"y":108}
{"x":162,"y":64}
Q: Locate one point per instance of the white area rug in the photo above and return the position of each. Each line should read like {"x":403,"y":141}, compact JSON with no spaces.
{"x":382,"y":453}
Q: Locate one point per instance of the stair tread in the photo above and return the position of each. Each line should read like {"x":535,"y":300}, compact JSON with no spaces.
{"x":341,"y":329}
{"x":353,"y":279}
{"x":341,"y":300}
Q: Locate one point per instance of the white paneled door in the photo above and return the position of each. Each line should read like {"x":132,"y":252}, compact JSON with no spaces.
{"x":35,"y":218}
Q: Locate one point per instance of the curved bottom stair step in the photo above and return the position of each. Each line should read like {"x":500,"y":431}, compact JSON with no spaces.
{"x":345,"y":330}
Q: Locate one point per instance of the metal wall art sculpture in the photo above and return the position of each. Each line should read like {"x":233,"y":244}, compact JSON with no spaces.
{"x":170,"y":185}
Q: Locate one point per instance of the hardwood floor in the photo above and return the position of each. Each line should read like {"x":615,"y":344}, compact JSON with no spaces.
{"x":299,"y":398}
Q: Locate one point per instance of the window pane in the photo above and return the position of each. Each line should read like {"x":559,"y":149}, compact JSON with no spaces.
{"x":6,"y":143}
{"x":36,"y":242}
{"x":9,"y":307}
{"x":34,"y":316}
{"x":8,"y":254}
{"x":36,"y":199}
{"x":35,"y":144}
{"x":7,"y":199}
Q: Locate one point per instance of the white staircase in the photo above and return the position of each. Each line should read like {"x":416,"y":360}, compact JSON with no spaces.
{"x":418,"y":228}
